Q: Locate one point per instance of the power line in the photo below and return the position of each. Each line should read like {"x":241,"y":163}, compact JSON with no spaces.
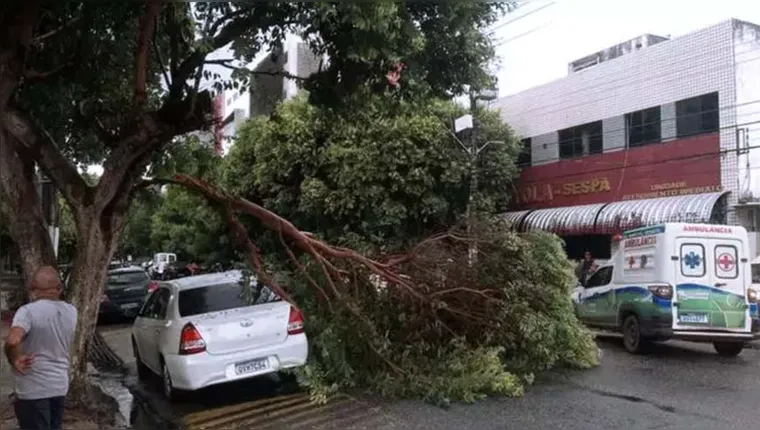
{"x":521,"y":35}
{"x":529,"y":13}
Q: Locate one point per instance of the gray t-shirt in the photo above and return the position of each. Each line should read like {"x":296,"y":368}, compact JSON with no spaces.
{"x":49,"y":327}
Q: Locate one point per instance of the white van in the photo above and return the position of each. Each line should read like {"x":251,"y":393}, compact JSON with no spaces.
{"x":675,"y":281}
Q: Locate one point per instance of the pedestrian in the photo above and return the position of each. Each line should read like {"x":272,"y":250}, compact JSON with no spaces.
{"x":583,"y":271}
{"x":37,"y":347}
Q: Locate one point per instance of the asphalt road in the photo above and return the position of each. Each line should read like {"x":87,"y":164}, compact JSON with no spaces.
{"x":677,"y":386}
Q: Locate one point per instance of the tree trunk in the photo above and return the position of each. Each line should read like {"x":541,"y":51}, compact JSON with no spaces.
{"x":95,"y":249}
{"x":26,"y":223}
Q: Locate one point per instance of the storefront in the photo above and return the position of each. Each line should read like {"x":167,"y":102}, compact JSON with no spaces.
{"x":593,"y":227}
{"x":587,"y":201}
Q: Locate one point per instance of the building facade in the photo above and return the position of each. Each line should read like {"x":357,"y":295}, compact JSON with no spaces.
{"x":268,"y":87}
{"x":651,"y":130}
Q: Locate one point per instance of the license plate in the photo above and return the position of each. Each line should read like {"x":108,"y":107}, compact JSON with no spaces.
{"x":129,"y":306}
{"x":253,"y":366}
{"x":693,"y":318}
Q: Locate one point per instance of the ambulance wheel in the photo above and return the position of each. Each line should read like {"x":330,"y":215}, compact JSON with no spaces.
{"x":632,"y":340}
{"x":729,"y":349}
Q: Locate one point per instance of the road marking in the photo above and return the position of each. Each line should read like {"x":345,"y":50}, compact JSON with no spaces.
{"x":293,"y":411}
{"x":204,"y":419}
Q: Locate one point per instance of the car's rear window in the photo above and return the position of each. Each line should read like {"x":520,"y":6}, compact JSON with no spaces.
{"x":122,"y":279}
{"x":222,"y":297}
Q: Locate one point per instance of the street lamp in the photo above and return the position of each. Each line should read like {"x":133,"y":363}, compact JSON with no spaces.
{"x":466,"y":122}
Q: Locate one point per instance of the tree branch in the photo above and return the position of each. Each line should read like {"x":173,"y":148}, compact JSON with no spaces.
{"x":161,"y":60}
{"x":19,"y":28}
{"x":284,"y":74}
{"x":226,"y":35}
{"x":144,"y":38}
{"x":148,"y":133}
{"x":54,"y":32}
{"x":39,"y":144}
{"x":31,"y":75}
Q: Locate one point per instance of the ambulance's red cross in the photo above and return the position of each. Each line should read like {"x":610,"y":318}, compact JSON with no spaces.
{"x":726,"y":262}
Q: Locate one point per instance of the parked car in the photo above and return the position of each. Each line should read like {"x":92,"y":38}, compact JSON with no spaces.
{"x":209,"y":329}
{"x":125,"y":291}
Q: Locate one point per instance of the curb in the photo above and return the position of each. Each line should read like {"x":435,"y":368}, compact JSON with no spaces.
{"x":159,"y":420}
{"x":108,"y":363}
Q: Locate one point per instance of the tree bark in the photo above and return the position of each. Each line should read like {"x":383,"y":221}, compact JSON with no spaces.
{"x":26,"y":223}
{"x":97,"y":240}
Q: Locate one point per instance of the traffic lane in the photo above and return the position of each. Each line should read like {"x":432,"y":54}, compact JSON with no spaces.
{"x":677,"y":386}
{"x":689,"y":377}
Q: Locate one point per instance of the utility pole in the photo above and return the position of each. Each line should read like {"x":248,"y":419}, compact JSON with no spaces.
{"x":473,"y":152}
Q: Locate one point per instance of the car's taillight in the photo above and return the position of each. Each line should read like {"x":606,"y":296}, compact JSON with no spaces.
{"x":664,"y":291}
{"x":153,"y":286}
{"x":752,"y":296}
{"x":191,"y":341}
{"x":295,"y":322}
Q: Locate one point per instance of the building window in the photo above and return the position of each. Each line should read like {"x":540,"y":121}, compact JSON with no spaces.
{"x":644,"y":127}
{"x":697,"y":115}
{"x":524,"y":158}
{"x":582,"y":140}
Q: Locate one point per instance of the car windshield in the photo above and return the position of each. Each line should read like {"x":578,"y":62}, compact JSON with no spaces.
{"x":122,"y":279}
{"x":222,"y":297}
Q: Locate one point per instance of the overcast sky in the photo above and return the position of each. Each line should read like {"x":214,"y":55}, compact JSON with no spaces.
{"x":537,"y":41}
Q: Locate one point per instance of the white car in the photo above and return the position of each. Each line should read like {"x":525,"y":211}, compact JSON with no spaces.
{"x":206,"y":330}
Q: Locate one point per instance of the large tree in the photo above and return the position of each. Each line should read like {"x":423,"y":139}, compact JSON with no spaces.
{"x":385,"y":175}
{"x":81,"y":82}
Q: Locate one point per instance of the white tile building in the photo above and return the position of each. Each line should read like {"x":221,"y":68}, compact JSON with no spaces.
{"x":660,"y":79}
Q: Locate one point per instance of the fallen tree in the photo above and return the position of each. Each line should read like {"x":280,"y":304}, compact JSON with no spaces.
{"x":67,"y":100}
{"x":424,"y":323}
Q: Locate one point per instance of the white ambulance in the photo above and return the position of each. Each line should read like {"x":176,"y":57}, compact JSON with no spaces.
{"x":675,"y":281}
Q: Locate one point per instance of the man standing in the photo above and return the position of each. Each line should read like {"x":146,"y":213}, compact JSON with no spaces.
{"x":37,"y":348}
{"x":584,"y":269}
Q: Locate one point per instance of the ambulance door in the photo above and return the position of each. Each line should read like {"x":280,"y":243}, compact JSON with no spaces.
{"x":709,"y":289}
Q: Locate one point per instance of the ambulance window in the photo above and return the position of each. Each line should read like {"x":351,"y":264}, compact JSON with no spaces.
{"x":725,"y":262}
{"x":692,"y":260}
{"x":602,"y":277}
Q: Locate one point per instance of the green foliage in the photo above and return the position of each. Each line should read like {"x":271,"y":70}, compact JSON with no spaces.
{"x":136,"y":240}
{"x":67,"y":235}
{"x":385,"y":175}
{"x":186,"y":225}
{"x":177,"y":220}
{"x":387,"y":341}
